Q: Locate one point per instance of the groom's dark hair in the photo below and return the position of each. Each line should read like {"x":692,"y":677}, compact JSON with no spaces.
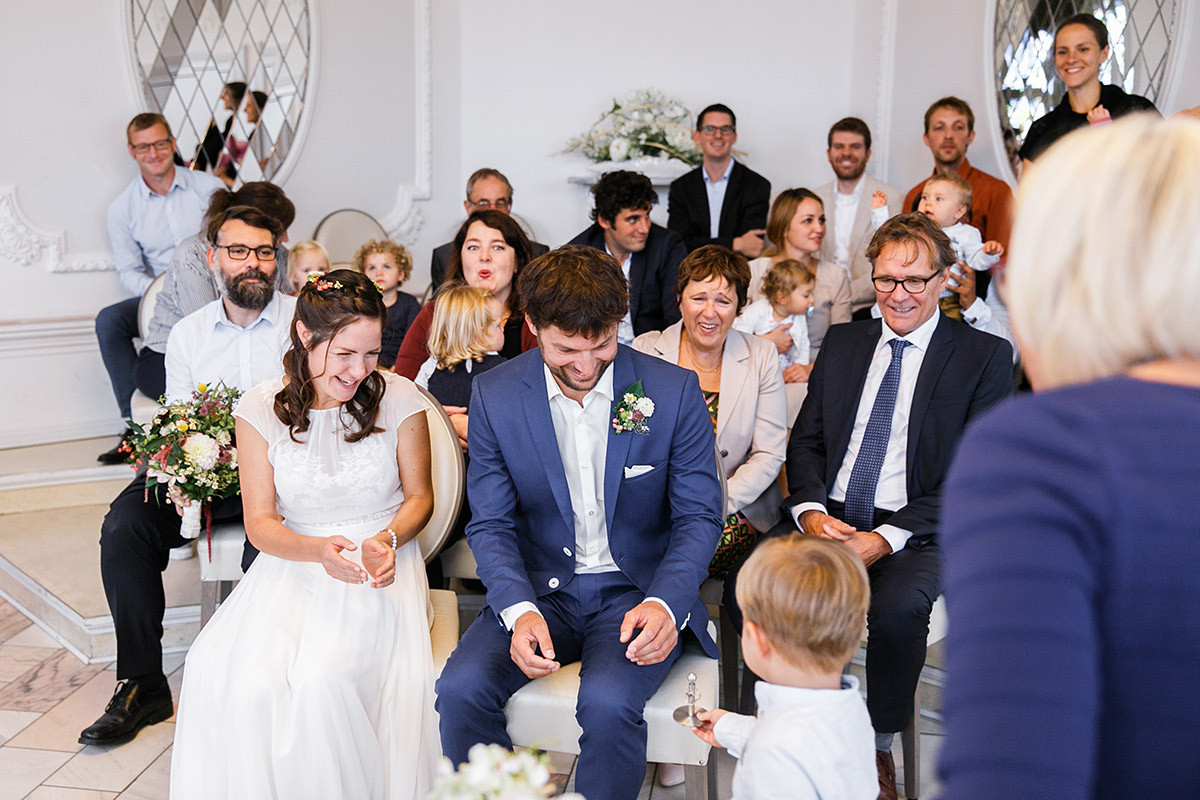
{"x":579,"y":290}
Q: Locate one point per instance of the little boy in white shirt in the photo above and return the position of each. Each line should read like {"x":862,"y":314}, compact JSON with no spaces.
{"x":946,"y":199}
{"x":804,"y":601}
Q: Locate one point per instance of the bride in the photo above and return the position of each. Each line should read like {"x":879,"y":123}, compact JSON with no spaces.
{"x":315,"y":678}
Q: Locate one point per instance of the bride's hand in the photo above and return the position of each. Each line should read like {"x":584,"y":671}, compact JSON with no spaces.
{"x":336,"y":566}
{"x":380,"y":560}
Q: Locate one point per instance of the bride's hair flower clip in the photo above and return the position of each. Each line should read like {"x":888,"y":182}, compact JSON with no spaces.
{"x":319,"y":283}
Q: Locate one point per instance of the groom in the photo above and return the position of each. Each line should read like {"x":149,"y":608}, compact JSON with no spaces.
{"x":592,"y":543}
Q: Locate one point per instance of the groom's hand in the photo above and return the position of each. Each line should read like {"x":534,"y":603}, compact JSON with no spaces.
{"x":658,"y":636}
{"x":530,"y":631}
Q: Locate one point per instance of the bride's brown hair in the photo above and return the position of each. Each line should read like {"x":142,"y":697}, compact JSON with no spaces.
{"x":327,"y":304}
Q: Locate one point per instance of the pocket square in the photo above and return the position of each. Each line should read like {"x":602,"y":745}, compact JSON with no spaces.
{"x":637,"y":469}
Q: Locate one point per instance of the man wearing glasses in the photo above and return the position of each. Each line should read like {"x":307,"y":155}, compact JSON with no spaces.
{"x":722,"y":201}
{"x":238,"y":339}
{"x":887,"y":402}
{"x":158,"y":210}
{"x":486,"y":188}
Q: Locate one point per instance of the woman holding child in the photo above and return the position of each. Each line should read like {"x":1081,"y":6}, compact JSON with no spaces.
{"x":315,"y":678}
{"x":795,"y":229}
{"x":739,"y":375}
{"x":1080,"y":48}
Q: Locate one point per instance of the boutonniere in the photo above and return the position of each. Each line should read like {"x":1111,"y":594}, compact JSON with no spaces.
{"x":632,"y":412}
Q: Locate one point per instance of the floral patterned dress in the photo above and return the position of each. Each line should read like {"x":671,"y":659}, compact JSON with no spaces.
{"x":739,"y":535}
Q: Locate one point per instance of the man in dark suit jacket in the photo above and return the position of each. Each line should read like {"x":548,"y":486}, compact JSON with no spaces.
{"x":649,"y":254}
{"x":583,"y":534}
{"x":486,"y":188}
{"x":720,"y":189}
{"x":871,"y":446}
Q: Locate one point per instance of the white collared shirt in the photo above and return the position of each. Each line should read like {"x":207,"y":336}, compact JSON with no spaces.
{"x":625,"y":326}
{"x":845,"y":210}
{"x":206,"y":347}
{"x":145,"y":227}
{"x":716,"y":197}
{"x":891,"y":492}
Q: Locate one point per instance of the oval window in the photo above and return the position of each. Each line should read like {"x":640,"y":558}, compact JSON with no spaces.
{"x":229,"y":76}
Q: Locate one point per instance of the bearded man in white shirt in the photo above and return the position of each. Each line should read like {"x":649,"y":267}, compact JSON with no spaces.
{"x":850,"y":220}
{"x":238,"y":339}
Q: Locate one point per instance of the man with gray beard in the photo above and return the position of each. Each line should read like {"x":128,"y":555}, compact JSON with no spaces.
{"x":238,"y":339}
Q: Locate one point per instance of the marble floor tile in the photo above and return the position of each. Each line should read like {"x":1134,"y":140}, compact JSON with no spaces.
{"x":13,"y":722}
{"x":112,"y":769}
{"x":16,"y":661}
{"x":58,"y":728}
{"x":12,"y":621}
{"x":154,"y":783}
{"x":44,"y":686}
{"x":33,"y":636}
{"x":62,"y":793}
{"x":24,"y":770}
{"x":75,"y":454}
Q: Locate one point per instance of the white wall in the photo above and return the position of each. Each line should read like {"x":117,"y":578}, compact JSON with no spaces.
{"x":507,"y":85}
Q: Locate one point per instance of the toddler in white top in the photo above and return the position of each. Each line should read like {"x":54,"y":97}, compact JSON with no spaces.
{"x":804,"y":602}
{"x":946,"y":199}
{"x":787,"y":297}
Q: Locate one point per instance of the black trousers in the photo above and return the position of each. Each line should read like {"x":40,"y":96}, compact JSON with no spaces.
{"x":904,"y":587}
{"x":150,"y":373}
{"x":138,"y":532}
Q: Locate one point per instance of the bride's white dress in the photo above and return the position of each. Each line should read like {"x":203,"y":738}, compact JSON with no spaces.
{"x":302,"y":686}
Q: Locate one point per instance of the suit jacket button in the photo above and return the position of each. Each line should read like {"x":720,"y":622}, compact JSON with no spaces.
{"x":552,"y":583}
{"x":567,"y":551}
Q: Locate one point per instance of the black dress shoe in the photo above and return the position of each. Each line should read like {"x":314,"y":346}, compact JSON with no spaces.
{"x":132,"y":708}
{"x":119,"y":454}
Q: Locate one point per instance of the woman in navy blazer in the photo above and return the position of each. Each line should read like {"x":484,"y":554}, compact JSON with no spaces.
{"x":1072,"y":516}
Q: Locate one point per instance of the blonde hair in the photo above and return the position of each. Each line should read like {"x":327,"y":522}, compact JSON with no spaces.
{"x":809,"y":597}
{"x":307,"y":246}
{"x":1104,"y":266}
{"x":965,"y":193}
{"x":396,"y":251}
{"x":784,"y":277}
{"x":461,"y":316}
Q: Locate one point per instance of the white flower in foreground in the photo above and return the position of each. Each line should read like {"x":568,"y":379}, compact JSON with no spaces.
{"x":645,"y":405}
{"x":619,"y":149}
{"x":201,"y":451}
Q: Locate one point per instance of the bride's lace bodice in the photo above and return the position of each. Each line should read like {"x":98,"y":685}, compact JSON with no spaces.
{"x":322,"y":481}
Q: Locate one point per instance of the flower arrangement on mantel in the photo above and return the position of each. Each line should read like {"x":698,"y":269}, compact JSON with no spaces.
{"x":493,"y":773}
{"x":644,"y":124}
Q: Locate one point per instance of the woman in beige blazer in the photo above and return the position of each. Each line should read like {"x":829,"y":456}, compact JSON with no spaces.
{"x":739,"y":375}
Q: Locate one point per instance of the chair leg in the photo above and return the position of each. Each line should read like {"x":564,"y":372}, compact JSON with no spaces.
{"x":910,"y":743}
{"x":700,"y":780}
{"x":730,"y":655}
{"x":209,"y":593}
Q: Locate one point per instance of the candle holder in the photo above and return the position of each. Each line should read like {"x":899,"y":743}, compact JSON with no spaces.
{"x":685,"y":715}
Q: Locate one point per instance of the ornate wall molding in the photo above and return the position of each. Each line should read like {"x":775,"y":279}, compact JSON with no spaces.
{"x":24,"y":243}
{"x":403,"y":222}
{"x":886,"y":83}
{"x":45,"y":338}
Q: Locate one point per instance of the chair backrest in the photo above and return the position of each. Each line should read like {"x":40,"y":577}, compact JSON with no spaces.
{"x":342,"y":232}
{"x":449,"y":478}
{"x":147,"y":303}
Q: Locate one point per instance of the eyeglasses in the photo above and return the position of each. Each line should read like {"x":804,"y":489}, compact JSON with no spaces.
{"x":239,"y":252}
{"x":162,"y":146}
{"x":712,"y":130}
{"x":499,"y":205}
{"x":911,"y":285}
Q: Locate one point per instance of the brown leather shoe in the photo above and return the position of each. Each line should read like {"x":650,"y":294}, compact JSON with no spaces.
{"x":886,"y":766}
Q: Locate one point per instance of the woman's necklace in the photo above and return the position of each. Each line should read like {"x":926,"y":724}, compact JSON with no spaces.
{"x":694,"y":361}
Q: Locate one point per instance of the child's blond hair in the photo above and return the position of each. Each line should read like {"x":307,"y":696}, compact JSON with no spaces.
{"x":965,"y":194}
{"x":396,"y":251}
{"x":784,"y":277}
{"x":307,"y":246}
{"x":461,"y":316}
{"x":809,"y":597}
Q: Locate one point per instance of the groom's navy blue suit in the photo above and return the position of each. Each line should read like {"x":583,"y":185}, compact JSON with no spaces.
{"x":662,"y":525}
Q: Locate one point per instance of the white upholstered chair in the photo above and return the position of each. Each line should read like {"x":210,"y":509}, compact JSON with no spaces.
{"x":342,"y":232}
{"x":219,"y":572}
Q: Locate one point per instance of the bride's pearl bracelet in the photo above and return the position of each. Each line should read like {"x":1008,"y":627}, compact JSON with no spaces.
{"x":392,"y":533}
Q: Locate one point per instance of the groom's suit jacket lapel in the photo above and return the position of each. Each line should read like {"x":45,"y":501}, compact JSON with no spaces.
{"x":541,"y":432}
{"x":618,"y":445}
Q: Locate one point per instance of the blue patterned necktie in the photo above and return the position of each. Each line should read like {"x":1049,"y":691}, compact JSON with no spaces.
{"x":864,"y":475}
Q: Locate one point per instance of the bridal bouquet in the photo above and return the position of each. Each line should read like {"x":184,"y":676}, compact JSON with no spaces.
{"x":493,"y":773}
{"x":189,"y":447}
{"x":645,"y":123}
